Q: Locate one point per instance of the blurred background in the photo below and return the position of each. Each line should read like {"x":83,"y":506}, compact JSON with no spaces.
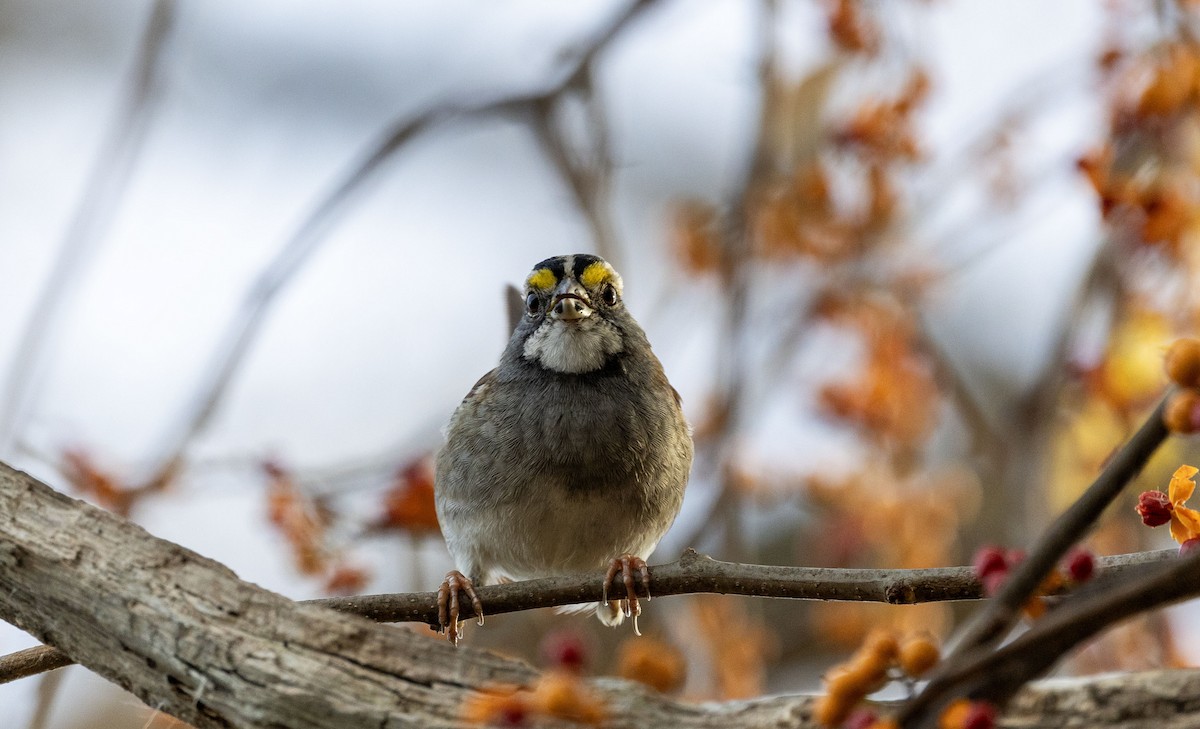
{"x":912,"y":266}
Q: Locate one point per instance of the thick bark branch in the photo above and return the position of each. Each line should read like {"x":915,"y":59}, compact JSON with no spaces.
{"x":187,"y":637}
{"x":182,"y":633}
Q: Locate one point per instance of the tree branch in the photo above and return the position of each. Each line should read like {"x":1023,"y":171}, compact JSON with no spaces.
{"x":186,"y":636}
{"x":31,"y":662}
{"x":999,"y":674}
{"x":183,"y":633}
{"x":106,"y":182}
{"x":693,"y":573}
{"x":994,"y":621}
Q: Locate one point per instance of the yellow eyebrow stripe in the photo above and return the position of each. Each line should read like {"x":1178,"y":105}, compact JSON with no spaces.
{"x":594,"y":275}
{"x":542,"y":279}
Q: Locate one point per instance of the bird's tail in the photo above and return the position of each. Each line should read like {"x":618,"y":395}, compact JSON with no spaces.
{"x":611,"y":613}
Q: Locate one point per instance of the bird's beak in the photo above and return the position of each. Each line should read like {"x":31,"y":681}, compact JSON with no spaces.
{"x":570,"y":303}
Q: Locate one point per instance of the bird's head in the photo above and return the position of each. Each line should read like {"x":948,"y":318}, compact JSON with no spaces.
{"x":575,"y":320}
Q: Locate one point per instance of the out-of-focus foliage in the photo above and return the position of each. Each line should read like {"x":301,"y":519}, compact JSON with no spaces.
{"x":829,"y":204}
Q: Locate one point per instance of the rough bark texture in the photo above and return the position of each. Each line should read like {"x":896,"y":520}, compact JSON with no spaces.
{"x":182,"y":633}
{"x":1168,"y":699}
{"x":187,"y":637}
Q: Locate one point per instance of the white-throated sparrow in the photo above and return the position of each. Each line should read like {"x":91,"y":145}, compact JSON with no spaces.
{"x":570,"y":456}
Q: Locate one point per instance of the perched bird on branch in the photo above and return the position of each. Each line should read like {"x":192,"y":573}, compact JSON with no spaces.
{"x":570,"y":456}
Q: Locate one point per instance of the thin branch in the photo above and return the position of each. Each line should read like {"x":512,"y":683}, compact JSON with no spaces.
{"x":587,"y":180}
{"x":998,"y":675}
{"x":735,"y":247}
{"x":106,"y":183}
{"x":296,"y":251}
{"x":692,"y":574}
{"x":31,"y":662}
{"x":49,"y":688}
{"x":992,"y":623}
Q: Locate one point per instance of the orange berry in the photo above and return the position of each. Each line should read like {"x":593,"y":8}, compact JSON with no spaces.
{"x":565,"y":696}
{"x":1052,"y":584}
{"x":831,"y":709}
{"x":918,"y":654}
{"x":656,"y":663}
{"x":1034,"y":608}
{"x":841,"y":680}
{"x":1182,"y":414}
{"x":867,"y":672}
{"x":882,"y":644}
{"x":1164,"y":95}
{"x":845,"y":684}
{"x":500,"y":705}
{"x":1182,"y":362}
{"x":955,"y":715}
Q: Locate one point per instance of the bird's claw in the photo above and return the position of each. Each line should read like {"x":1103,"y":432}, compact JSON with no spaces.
{"x":627,"y":565}
{"x":448,"y":605}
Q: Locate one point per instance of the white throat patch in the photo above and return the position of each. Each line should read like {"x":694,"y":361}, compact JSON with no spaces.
{"x":573,"y":348}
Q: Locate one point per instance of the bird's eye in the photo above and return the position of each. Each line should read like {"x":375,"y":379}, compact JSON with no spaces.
{"x":533,"y":304}
{"x":609,"y":295}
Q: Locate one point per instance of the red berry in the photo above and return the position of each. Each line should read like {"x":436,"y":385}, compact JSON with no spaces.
{"x":564,"y":649}
{"x":989,"y":560}
{"x":860,"y":719}
{"x":1189,"y":546}
{"x":1155,"y":508}
{"x":982,"y":715}
{"x":1080,"y":565}
{"x":514,"y":715}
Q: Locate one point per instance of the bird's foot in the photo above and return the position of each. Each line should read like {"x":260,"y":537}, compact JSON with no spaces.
{"x":448,"y":604}
{"x":627,"y":565}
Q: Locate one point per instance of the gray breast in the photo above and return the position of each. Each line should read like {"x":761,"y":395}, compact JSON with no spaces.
{"x":602,"y":430}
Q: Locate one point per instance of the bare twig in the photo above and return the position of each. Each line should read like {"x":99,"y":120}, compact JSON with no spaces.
{"x":734,"y":268}
{"x":587,"y":179}
{"x":692,"y":574}
{"x":47,"y":691}
{"x":105,"y":184}
{"x":31,"y":662}
{"x":992,"y":623}
{"x":298,"y":248}
{"x":998,"y":675}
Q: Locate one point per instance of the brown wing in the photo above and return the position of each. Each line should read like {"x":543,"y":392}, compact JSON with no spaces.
{"x":481,"y":385}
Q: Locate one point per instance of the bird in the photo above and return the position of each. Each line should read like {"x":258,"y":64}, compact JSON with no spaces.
{"x":571,"y":456}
